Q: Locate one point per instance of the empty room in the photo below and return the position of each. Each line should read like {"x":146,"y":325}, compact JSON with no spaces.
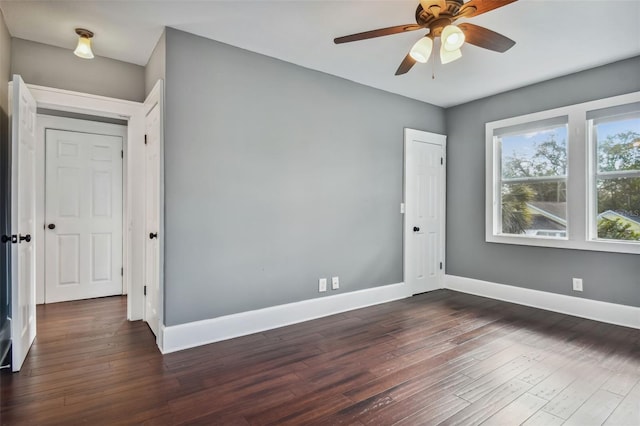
{"x":305,"y":212}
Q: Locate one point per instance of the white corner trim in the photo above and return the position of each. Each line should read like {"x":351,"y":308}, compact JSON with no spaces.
{"x":628,"y":316}
{"x":184,"y":336}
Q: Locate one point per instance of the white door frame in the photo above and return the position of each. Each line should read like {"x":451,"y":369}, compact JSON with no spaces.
{"x":44,"y":122}
{"x":436,"y":139}
{"x":133,"y":226}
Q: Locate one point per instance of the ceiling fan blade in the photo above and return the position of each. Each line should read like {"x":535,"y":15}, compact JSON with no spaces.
{"x":478,"y":7}
{"x":407,"y":63}
{"x":377,"y":33}
{"x":485,"y":38}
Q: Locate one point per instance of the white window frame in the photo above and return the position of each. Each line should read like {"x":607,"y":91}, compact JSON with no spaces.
{"x":580,"y":180}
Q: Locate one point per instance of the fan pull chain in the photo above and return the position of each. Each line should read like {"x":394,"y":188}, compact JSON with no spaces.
{"x":433,"y":68}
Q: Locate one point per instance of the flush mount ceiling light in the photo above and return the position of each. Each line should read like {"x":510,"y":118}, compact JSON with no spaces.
{"x":83,"y":50}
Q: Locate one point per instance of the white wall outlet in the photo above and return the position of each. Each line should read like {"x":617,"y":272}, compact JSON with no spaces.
{"x":322,"y":285}
{"x":335,"y":283}
{"x":577,"y":284}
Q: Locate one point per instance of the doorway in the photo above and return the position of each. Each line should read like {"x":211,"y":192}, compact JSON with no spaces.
{"x":24,"y":102}
{"x":424,"y":197}
{"x":80,"y":203}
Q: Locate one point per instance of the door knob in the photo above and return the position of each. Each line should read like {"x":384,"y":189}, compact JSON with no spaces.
{"x":9,"y":239}
{"x":153,"y":235}
{"x":26,"y":238}
{"x":51,"y":226}
{"x":416,"y":229}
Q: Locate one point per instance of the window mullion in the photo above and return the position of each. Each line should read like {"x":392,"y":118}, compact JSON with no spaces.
{"x":577,"y":208}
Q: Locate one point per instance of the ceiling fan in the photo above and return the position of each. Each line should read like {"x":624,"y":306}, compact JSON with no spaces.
{"x":438,"y":17}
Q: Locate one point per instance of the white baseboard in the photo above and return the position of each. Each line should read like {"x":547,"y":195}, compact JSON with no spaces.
{"x":184,"y":336}
{"x":612,"y":313}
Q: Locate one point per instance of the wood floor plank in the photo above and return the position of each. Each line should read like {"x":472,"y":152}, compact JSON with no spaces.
{"x":488,"y":405}
{"x":573,"y":396}
{"x":542,"y":418}
{"x":628,"y":411}
{"x":440,"y":357}
{"x":517,"y":412}
{"x":595,"y":410}
{"x":621,"y":383}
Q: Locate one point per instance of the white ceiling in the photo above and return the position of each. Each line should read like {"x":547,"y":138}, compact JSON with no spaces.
{"x":553,"y":37}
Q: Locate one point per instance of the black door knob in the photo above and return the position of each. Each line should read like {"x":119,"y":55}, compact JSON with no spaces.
{"x":6,"y":239}
{"x":51,"y":226}
{"x":153,"y":235}
{"x":416,"y":229}
{"x":26,"y":238}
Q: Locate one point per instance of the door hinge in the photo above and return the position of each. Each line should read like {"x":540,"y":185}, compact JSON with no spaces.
{"x":145,"y":290}
{"x":122,"y":272}
{"x":440,"y":265}
{"x":145,"y":139}
{"x":121,"y":154}
{"x":441,"y":160}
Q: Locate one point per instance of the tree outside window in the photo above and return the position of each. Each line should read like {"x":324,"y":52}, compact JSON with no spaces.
{"x":534,"y":181}
{"x":617,"y":144}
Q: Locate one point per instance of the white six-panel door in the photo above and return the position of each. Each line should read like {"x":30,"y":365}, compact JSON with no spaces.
{"x":83,"y":213}
{"x":23,"y":214}
{"x":424,"y":210}
{"x":152,"y":206}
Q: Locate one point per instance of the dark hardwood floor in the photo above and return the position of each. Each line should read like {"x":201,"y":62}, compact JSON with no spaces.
{"x":437,"y":358}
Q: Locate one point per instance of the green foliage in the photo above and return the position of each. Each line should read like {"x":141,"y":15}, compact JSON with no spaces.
{"x":549,"y":159}
{"x":618,"y":153}
{"x":615,"y":229}
{"x":516,"y":218}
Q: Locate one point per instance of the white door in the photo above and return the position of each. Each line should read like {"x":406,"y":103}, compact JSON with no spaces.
{"x":23,"y":213}
{"x":152,"y":207}
{"x":424,"y":210}
{"x":83,"y":214}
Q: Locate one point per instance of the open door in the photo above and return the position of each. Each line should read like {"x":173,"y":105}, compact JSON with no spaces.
{"x":23,"y":214}
{"x":153,"y":203}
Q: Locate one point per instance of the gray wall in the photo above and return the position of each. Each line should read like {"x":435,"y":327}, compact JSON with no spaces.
{"x":51,"y":66}
{"x":275,"y":176}
{"x":610,"y":277}
{"x":157,"y":65}
{"x":5,"y":197}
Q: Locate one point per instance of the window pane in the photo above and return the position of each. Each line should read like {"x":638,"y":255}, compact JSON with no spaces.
{"x":536,"y":152}
{"x":619,"y":208}
{"x":535,"y":208}
{"x":618,"y":144}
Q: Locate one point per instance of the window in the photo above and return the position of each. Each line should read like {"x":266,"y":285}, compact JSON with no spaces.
{"x":616,"y":186}
{"x":568,"y":177}
{"x":533,"y":179}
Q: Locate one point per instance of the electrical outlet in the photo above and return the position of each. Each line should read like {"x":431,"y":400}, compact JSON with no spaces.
{"x":335,"y":283}
{"x":577,"y":284}
{"x":322,"y":285}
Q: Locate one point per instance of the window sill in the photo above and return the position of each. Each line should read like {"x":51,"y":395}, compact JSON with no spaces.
{"x":565,"y":243}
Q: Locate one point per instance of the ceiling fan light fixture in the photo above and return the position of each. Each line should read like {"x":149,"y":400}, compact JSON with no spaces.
{"x":83,"y":49}
{"x":452,"y":38}
{"x":447,"y":56}
{"x":421,"y":51}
